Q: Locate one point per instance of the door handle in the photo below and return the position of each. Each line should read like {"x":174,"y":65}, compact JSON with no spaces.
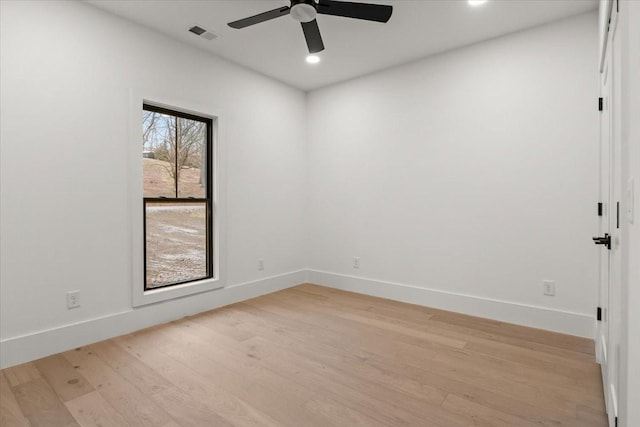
{"x":606,"y":240}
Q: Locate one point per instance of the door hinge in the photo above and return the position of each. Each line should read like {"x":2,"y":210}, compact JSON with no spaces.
{"x":617,"y":214}
{"x":600,"y":104}
{"x":599,"y":208}
{"x":616,"y":422}
{"x":599,"y":314}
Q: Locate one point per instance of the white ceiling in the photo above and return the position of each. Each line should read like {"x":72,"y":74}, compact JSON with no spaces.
{"x":277,"y":48}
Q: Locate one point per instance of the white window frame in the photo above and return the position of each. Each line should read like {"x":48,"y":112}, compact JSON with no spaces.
{"x":140,"y":297}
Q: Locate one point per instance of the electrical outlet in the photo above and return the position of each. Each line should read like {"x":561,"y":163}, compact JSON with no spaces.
{"x":549,"y":287}
{"x":356,"y":262}
{"x":260,"y":264}
{"x":73,"y":299}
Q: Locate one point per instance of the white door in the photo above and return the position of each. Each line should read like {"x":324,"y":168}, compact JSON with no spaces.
{"x":615,"y":256}
{"x":604,"y":228}
{"x":609,"y":330}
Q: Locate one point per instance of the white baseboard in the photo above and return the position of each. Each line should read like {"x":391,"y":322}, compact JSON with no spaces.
{"x":566,"y":322}
{"x":25,"y":348}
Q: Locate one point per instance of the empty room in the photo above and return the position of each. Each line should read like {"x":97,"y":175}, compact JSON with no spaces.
{"x":319,"y":213}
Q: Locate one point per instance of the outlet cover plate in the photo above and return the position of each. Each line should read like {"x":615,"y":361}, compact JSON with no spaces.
{"x":549,"y":287}
{"x":73,"y":299}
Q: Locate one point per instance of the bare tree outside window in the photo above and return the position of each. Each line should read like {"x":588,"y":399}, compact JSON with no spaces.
{"x":184,"y":162}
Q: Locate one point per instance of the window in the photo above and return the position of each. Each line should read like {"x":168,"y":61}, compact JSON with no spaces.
{"x":177,"y":197}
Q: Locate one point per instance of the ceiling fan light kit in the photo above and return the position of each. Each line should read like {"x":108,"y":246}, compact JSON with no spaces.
{"x":305,"y":12}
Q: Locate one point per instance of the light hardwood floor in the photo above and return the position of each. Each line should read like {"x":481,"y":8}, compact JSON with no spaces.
{"x":314,"y":356}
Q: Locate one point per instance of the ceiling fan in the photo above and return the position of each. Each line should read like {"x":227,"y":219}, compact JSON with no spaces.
{"x":305,"y":11}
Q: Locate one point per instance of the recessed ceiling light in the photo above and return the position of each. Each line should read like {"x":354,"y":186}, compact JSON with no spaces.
{"x":476,"y":2}
{"x":313,"y":59}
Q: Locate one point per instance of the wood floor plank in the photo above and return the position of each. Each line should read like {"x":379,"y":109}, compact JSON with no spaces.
{"x":490,"y":380}
{"x":258,"y":351}
{"x":198,"y":386}
{"x":66,"y":381}
{"x":422,"y":318}
{"x":284,"y":405}
{"x":343,"y":359}
{"x":369,"y":321}
{"x":21,"y":374}
{"x":238,"y":357}
{"x":316,"y":356}
{"x":339,"y":367}
{"x":405,"y":311}
{"x":187,"y":410}
{"x":389,"y":407}
{"x":479,"y":415}
{"x":572,"y":355}
{"x":352,"y":299}
{"x":91,"y":410}
{"x":340,"y":414}
{"x":533,"y":358}
{"x":561,"y":407}
{"x":147,"y":380}
{"x":328,"y":328}
{"x":501,"y":401}
{"x":387,"y":374}
{"x":589,"y":417}
{"x":136,"y":408}
{"x":521,"y":332}
{"x":41,"y":406}
{"x":562,"y":393}
{"x":361,"y":303}
{"x":10,"y":413}
{"x":389,"y":364}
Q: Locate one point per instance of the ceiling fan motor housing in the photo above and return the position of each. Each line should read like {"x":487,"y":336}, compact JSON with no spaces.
{"x":303,"y":10}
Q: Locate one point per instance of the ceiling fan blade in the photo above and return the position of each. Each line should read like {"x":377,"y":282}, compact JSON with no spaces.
{"x":261,"y":17}
{"x":367,"y":11}
{"x":312,"y":35}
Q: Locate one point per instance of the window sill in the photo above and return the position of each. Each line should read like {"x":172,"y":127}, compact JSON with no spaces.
{"x":153,"y":296}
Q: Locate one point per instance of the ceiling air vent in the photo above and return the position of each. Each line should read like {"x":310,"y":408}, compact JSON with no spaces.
{"x":199,"y":31}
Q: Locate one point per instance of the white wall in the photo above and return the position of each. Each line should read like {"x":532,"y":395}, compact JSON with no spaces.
{"x":465,"y":179}
{"x":469,"y":173}
{"x":67,"y":71}
{"x":630,"y":367}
